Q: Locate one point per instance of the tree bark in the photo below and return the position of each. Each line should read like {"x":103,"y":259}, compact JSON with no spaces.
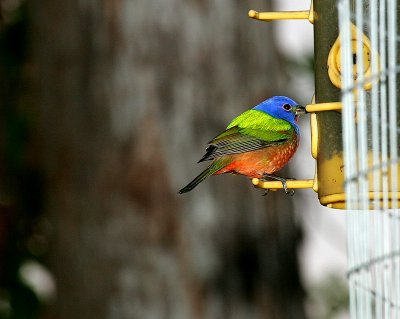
{"x":131,"y":91}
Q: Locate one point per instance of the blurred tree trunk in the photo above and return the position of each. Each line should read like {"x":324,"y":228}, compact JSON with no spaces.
{"x":131,"y":91}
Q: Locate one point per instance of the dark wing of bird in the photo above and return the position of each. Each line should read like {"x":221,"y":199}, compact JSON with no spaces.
{"x":235,"y":141}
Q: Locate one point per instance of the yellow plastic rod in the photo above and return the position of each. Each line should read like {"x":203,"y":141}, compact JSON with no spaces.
{"x":274,"y":185}
{"x":320,"y":107}
{"x":279,"y":15}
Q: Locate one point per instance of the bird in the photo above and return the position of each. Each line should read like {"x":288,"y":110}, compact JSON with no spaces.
{"x":256,"y":144}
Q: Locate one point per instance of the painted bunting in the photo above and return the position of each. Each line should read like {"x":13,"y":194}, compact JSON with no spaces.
{"x":257,"y":143}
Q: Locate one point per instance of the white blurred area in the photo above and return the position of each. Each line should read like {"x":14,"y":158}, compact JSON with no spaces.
{"x":324,"y":249}
{"x":39,"y":279}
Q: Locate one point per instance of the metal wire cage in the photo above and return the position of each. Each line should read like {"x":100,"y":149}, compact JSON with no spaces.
{"x":370,"y":122}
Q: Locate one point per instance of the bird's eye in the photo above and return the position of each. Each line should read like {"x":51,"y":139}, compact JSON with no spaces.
{"x":286,"y":107}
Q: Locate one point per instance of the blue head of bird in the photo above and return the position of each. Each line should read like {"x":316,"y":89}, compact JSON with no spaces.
{"x":281,"y":107}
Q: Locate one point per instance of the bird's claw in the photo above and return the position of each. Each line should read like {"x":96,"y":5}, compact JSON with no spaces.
{"x":287,"y":190}
{"x":266,"y":191}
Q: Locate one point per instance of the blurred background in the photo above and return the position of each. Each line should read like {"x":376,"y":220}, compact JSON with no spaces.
{"x":106,"y":107}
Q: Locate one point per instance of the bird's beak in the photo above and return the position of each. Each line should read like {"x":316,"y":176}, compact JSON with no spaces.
{"x":299,"y":110}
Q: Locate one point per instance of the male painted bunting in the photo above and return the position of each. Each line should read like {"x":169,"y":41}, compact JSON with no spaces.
{"x":257,"y":143}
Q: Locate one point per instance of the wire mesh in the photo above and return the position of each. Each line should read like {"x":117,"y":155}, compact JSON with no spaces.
{"x":370,"y":148}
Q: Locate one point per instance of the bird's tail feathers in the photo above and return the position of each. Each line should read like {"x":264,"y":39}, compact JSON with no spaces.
{"x":210,"y":170}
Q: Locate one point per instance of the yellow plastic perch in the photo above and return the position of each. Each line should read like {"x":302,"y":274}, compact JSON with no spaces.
{"x":284,"y":15}
{"x":321,"y":107}
{"x":291,"y":184}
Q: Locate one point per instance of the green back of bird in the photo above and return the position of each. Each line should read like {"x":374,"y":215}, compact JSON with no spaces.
{"x":262,"y":126}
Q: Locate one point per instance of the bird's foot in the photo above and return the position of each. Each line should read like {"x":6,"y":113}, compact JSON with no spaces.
{"x":283,"y":180}
{"x":266,"y":191}
{"x":289,"y":191}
